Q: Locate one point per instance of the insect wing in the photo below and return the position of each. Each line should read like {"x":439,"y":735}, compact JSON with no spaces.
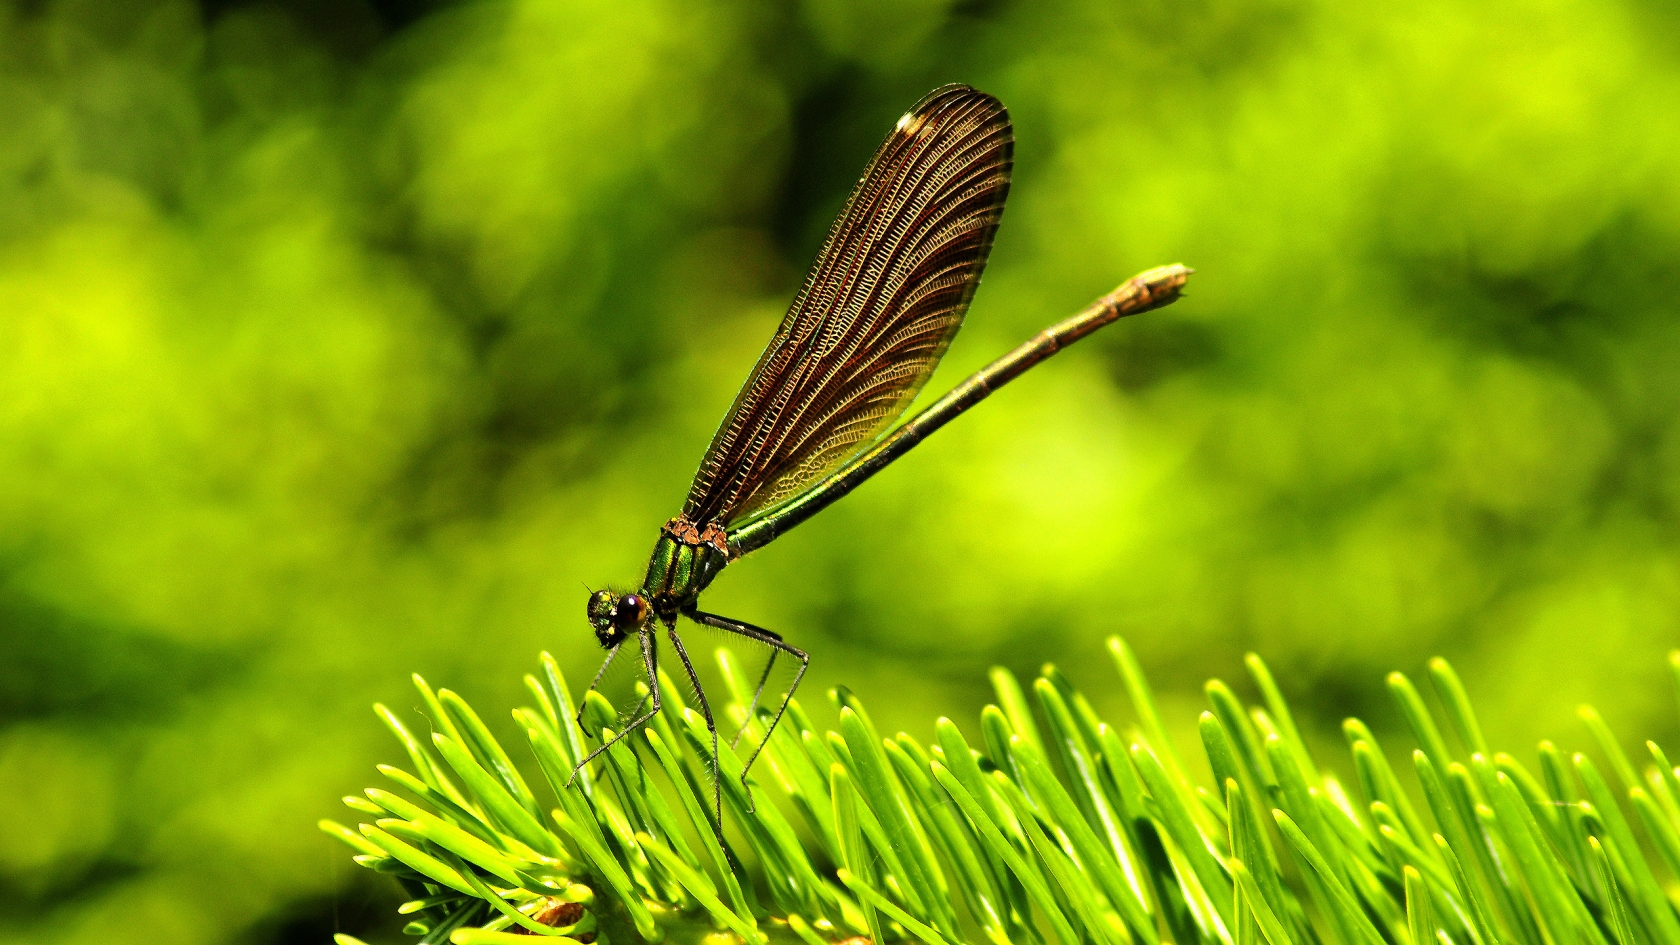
{"x":885,"y":297}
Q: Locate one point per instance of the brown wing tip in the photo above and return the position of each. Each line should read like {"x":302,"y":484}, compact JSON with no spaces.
{"x":946,"y":98}
{"x":952,"y":91}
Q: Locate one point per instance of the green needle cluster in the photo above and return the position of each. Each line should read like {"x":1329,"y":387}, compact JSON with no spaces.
{"x":1057,"y":829}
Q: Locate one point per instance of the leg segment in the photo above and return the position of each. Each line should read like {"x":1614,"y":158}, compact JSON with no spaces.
{"x":711,"y":726}
{"x":775,"y":643}
{"x":650,"y":659}
{"x":611,"y":655}
{"x":753,"y":705}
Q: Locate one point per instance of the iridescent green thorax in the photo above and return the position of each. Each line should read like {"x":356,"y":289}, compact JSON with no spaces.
{"x":684,"y":562}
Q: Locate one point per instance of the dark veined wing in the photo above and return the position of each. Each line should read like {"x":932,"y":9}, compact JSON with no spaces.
{"x":882,"y":303}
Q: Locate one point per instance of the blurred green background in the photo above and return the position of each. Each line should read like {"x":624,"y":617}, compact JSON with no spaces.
{"x":340,"y":340}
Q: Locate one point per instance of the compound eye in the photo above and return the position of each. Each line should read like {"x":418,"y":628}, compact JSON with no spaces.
{"x":632,"y":611}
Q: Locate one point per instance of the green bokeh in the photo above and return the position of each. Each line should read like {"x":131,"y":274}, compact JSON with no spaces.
{"x":340,"y":341}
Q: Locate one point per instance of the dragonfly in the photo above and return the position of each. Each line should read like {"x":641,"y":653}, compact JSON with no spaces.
{"x":815,"y":418}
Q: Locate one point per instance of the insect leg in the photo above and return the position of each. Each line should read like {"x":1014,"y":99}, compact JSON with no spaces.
{"x":611,"y":654}
{"x":711,"y":726}
{"x":775,"y":642}
{"x":752,"y":706}
{"x":650,"y":659}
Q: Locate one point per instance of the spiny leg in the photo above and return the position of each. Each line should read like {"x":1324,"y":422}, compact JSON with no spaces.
{"x":775,"y":642}
{"x":650,"y":658}
{"x":711,"y":726}
{"x":752,"y":706}
{"x":596,"y":682}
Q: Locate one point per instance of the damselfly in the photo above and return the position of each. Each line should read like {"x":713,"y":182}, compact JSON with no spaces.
{"x":880,"y":306}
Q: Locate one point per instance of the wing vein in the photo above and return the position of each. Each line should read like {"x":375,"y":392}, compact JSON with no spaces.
{"x":883,"y":300}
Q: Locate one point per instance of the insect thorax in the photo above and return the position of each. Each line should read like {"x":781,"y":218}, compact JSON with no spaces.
{"x":685,"y":559}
